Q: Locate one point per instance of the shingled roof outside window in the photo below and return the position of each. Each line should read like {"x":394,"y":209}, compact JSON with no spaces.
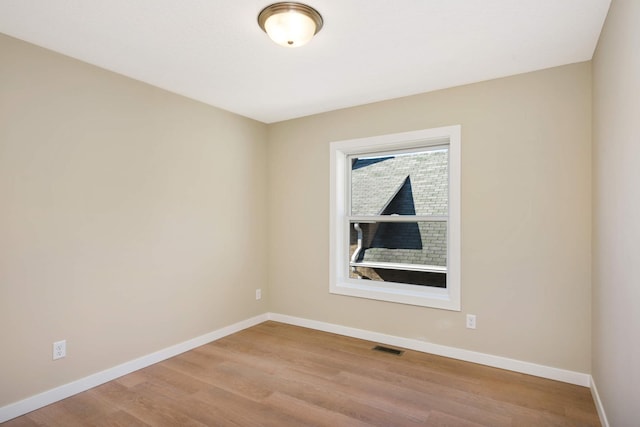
{"x":404,"y":184}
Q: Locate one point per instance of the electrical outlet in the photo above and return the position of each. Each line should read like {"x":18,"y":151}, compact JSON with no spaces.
{"x":258,"y":294}
{"x":471,"y":321}
{"x":59,"y":349}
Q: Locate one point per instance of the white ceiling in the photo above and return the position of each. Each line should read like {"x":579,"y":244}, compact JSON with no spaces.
{"x":369,"y":50}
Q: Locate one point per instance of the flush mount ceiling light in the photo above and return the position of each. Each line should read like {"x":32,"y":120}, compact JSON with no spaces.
{"x":290,"y":24}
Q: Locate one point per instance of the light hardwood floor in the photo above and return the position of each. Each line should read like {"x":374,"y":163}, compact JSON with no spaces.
{"x":280,"y":375}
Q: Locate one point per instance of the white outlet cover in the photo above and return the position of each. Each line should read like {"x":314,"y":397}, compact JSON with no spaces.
{"x":59,"y":349}
{"x":471,"y":321}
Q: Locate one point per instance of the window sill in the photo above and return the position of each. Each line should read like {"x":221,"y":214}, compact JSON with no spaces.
{"x":423,"y":296}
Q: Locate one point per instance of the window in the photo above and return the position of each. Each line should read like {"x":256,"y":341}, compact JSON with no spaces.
{"x":395,"y":218}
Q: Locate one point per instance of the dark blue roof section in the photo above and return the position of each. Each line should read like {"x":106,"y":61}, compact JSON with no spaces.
{"x":402,"y":203}
{"x":361,"y":163}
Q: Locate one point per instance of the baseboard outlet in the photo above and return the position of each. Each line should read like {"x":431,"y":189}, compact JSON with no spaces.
{"x":548,"y":372}
{"x":48,"y":397}
{"x":596,"y":399}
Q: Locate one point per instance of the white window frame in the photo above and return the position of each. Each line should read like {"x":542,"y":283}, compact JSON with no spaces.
{"x":340,"y":282}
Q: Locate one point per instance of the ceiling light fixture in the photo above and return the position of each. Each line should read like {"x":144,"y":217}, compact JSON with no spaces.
{"x":290,"y":24}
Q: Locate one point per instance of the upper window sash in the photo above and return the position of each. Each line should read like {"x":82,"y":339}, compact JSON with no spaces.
{"x":404,"y":181}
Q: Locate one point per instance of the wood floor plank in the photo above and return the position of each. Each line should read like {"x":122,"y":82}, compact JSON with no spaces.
{"x":440,"y":419}
{"x":20,"y":422}
{"x":243,"y":411}
{"x":309,"y":413}
{"x":118,"y":418}
{"x":337,"y":398}
{"x":281,"y":375}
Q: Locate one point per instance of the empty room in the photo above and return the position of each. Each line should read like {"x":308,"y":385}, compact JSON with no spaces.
{"x":328,"y":213}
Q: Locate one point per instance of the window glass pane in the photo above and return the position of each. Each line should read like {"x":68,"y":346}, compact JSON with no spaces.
{"x":402,"y":184}
{"x":401,"y":252}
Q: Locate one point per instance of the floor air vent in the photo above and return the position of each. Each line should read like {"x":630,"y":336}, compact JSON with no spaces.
{"x":388,"y":350}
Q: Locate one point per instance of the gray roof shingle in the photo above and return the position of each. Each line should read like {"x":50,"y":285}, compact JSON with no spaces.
{"x":415,"y":184}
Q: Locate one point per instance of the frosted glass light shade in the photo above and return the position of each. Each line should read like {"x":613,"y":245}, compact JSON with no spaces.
{"x":290,"y":24}
{"x":290,"y":29}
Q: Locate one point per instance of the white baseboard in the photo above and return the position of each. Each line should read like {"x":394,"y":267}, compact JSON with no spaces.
{"x":62,"y":392}
{"x":596,"y":399}
{"x":557,"y":374}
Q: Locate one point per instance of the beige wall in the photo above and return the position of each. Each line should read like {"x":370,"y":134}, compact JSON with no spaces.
{"x":526,"y":216}
{"x":131,"y":219}
{"x":616,"y":214}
